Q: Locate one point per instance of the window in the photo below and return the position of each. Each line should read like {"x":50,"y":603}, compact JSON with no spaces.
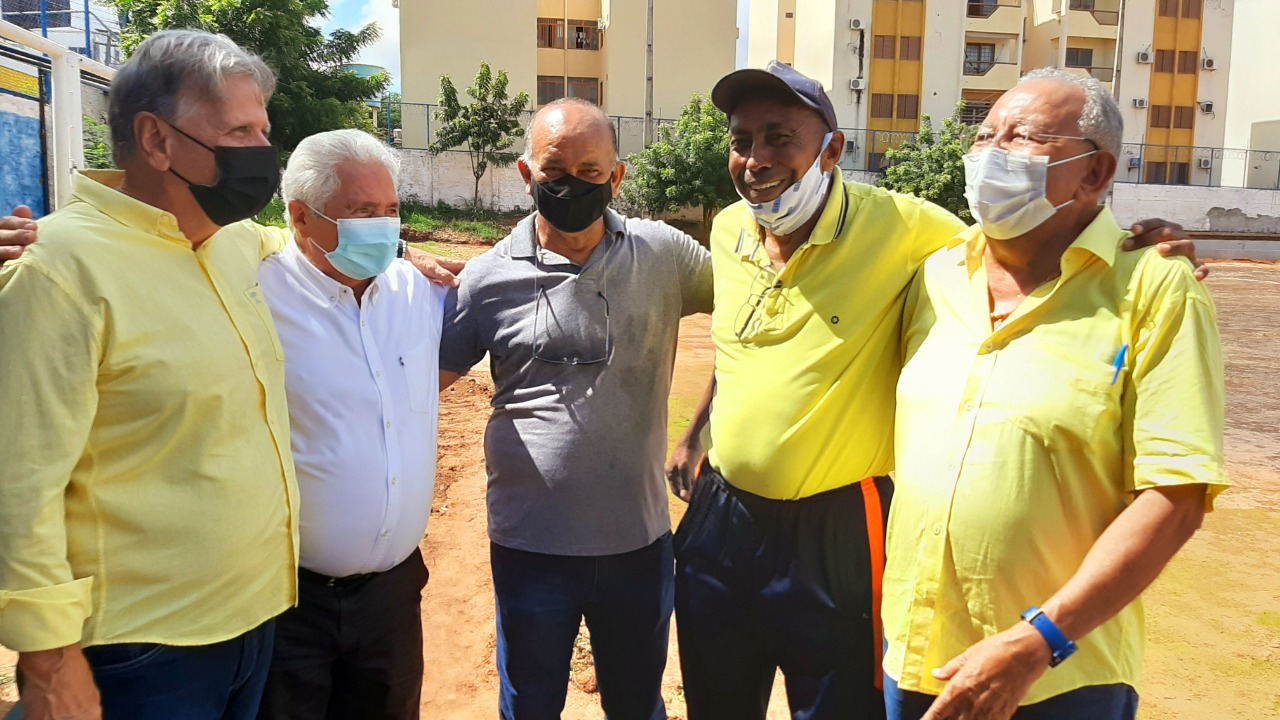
{"x":1164,"y":61}
{"x":975,"y":111}
{"x":978,"y":58}
{"x":1161,"y":116}
{"x":1191,"y":9}
{"x":882,"y":47}
{"x":551,"y":33}
{"x":1168,"y":8}
{"x":1184,"y":117}
{"x":1082,"y":5}
{"x":982,"y":8}
{"x":1156,"y":172}
{"x":1188,"y":62}
{"x":550,"y":88}
{"x":1080,"y":57}
{"x":910,"y":48}
{"x":587,"y":88}
{"x":1181,"y":173}
{"x":908,"y":107}
{"x":791,"y":15}
{"x":881,"y":105}
{"x":584,"y":35}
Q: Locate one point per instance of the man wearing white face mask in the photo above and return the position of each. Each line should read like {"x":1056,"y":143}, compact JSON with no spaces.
{"x":361,"y":331}
{"x":1058,"y":435}
{"x":779,"y":557}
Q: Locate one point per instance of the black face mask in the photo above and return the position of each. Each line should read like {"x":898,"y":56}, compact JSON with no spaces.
{"x":571,"y":204}
{"x":247,"y":180}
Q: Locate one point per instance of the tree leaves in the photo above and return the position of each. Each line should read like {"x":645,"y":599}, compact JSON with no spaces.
{"x":487,"y":126}
{"x":932,"y":165}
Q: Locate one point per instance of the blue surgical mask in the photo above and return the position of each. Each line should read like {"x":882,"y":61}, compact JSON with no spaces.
{"x":366,"y":246}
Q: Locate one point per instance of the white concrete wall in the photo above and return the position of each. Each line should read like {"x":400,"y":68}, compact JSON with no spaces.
{"x":944,"y":41}
{"x":1252,"y":100}
{"x":1226,"y":210}
{"x":447,"y":178}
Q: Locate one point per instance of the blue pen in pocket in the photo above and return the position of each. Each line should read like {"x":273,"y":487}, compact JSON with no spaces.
{"x":1118,"y":363}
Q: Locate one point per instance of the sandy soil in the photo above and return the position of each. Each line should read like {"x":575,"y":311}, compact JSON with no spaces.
{"x":1213,"y":617}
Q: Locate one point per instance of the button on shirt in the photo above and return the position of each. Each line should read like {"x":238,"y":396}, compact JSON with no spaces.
{"x":574,"y":452}
{"x":1017,"y":447}
{"x":804,"y":398}
{"x":146,"y":488}
{"x":363,"y":388}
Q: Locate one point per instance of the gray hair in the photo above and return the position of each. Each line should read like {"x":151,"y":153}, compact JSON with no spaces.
{"x":1100,"y":120}
{"x":309,"y":177}
{"x":563,"y":102}
{"x":169,"y":68}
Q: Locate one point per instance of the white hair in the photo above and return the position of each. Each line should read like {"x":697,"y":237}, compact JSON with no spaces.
{"x":1100,"y":120}
{"x":171,"y":68}
{"x":309,"y":176}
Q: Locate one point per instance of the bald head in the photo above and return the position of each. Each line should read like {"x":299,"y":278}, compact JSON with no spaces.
{"x":570,"y":119}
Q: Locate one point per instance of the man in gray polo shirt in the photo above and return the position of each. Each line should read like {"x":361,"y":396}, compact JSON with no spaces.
{"x":578,"y":310}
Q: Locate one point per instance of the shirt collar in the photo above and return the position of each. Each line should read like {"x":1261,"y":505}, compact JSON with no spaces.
{"x":101,"y":189}
{"x":1100,"y":238}
{"x":830,"y":223}
{"x":320,"y":287}
{"x":524,"y":237}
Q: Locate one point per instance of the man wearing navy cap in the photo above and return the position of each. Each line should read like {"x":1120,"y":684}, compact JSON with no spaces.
{"x":780,"y":555}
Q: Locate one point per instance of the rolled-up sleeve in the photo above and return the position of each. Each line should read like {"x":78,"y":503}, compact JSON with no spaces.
{"x":49,"y":355}
{"x":1175,"y":413}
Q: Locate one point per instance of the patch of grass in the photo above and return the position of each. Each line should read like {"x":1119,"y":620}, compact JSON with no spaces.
{"x":480,"y":223}
{"x":437,"y":249}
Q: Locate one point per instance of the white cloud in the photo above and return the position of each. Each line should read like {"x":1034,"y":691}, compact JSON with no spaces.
{"x":385,"y":52}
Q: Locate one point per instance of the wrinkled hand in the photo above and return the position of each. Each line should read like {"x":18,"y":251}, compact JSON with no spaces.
{"x":987,"y":681}
{"x":682,"y":468}
{"x":439,"y":270}
{"x":1170,"y":239}
{"x":16,"y":232}
{"x":58,"y":685}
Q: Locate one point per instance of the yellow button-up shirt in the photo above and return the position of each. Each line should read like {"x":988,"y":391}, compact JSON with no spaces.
{"x":1017,"y":447}
{"x":146,"y":487}
{"x":807,"y":357}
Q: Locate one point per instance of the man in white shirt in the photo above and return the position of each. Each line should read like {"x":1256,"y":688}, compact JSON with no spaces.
{"x":361,"y":334}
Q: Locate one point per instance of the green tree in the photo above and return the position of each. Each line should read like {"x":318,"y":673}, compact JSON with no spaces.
{"x":932,"y":165}
{"x":97,"y":144}
{"x":391,"y":109}
{"x":686,"y":167}
{"x":314,"y":93}
{"x":487,"y":126}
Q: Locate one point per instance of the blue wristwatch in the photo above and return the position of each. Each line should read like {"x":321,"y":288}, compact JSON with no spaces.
{"x":1059,"y":645}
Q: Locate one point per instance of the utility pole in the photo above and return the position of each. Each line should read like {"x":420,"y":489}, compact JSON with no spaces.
{"x":648,"y":82}
{"x":1118,"y":62}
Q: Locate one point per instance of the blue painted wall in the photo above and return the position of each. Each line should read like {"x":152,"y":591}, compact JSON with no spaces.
{"x":23,"y":163}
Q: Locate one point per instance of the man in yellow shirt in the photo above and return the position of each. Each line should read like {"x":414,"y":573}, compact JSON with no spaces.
{"x":147,"y":525}
{"x":1058,"y":436}
{"x":780,"y":554}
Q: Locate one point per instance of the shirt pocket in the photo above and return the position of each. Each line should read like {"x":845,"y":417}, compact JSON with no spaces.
{"x":419,"y":379}
{"x":268,"y":330}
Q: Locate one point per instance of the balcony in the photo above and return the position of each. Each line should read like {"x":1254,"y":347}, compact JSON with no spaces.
{"x":1104,"y":75}
{"x":989,"y":75}
{"x":1094,"y":23}
{"x":1003,"y":17}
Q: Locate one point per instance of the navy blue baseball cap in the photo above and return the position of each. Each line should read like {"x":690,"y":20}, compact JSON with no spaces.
{"x":776,"y":78}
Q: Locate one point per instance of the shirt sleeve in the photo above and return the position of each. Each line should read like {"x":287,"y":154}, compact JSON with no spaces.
{"x":48,"y":380}
{"x":933,"y":229}
{"x":461,"y":346}
{"x":693,"y":266}
{"x":1174,"y":414}
{"x":271,"y":240}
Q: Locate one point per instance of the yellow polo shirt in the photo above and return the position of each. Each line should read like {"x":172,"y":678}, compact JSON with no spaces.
{"x":146,"y":487}
{"x":807,"y":358}
{"x":1016,"y":449}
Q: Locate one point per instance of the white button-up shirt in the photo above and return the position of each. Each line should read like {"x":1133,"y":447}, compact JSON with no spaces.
{"x":362,"y":380}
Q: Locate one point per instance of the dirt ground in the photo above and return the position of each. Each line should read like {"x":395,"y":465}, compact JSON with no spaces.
{"x":1213,"y":618}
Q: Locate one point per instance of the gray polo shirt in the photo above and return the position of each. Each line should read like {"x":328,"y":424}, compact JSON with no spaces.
{"x":575,"y":448}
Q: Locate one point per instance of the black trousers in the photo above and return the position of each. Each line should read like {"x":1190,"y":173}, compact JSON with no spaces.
{"x":764,"y":584}
{"x":352,"y":649}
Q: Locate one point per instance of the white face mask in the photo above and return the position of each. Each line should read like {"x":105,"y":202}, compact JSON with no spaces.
{"x":1006,"y":191}
{"x":798,"y":203}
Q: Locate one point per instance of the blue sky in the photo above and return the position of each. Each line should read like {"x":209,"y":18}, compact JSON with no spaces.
{"x":354,"y":14}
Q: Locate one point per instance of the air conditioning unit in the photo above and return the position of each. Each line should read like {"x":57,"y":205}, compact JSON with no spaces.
{"x":1139,"y":102}
{"x":1206,"y":163}
{"x":855,"y":24}
{"x":1144,"y":57}
{"x":1135,"y":163}
{"x":1207,"y":64}
{"x":1206,"y":106}
{"x":857,"y":84}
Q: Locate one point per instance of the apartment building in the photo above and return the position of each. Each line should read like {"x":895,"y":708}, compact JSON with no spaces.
{"x":590,"y":49}
{"x":885,"y":62}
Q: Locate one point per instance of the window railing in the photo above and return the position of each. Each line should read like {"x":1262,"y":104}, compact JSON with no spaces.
{"x":1106,"y":17}
{"x":987,"y":9}
{"x":982,"y":67}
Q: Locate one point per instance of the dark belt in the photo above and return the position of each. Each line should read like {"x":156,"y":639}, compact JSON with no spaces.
{"x":314,"y":577}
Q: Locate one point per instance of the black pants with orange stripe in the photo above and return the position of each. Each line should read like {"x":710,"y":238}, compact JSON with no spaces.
{"x":765,"y":584}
